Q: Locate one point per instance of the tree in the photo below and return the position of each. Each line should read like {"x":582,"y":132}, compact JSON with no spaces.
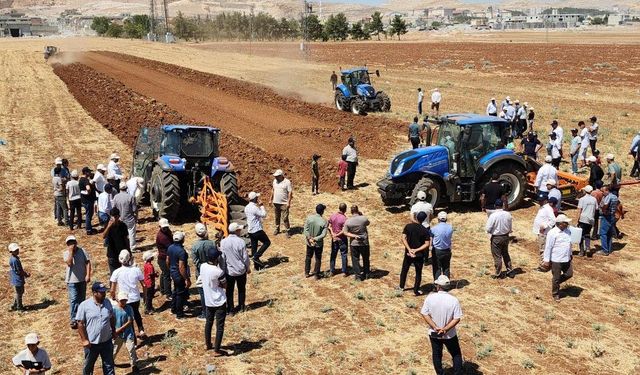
{"x":357,"y":32}
{"x":137,"y":26}
{"x":376,"y":26}
{"x":115,"y":30}
{"x":313,"y":27}
{"x":398,"y":26}
{"x":100,"y":25}
{"x":597,"y":21}
{"x":183,"y":28}
{"x":337,"y":27}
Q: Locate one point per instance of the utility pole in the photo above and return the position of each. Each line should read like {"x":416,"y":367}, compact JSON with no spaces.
{"x":152,"y":20}
{"x":251,"y":31}
{"x":307,"y":10}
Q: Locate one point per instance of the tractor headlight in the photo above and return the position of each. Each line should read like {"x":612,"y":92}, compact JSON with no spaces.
{"x":399,"y":168}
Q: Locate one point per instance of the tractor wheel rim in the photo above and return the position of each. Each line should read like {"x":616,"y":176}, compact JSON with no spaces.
{"x":511,"y":185}
{"x":432,"y":196}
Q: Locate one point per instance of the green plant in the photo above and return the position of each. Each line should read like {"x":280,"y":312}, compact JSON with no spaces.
{"x":482,"y":271}
{"x":597,"y":350}
{"x":279,"y":370}
{"x":326,"y":309}
{"x":570,"y":343}
{"x":410,"y":304}
{"x":174,"y":343}
{"x":469,"y":66}
{"x":514,"y":290}
{"x":483,"y":328}
{"x":549,"y":316}
{"x":333,"y":340}
{"x":412,"y":372}
{"x":380,"y":322}
{"x":360,"y":295}
{"x":484,"y":351}
{"x":620,"y":310}
{"x":528,"y":364}
{"x":598,"y":328}
{"x":309,"y":352}
{"x":540,"y":348}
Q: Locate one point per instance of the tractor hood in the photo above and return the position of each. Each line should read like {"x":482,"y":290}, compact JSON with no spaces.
{"x":366,"y":90}
{"x":432,"y":159}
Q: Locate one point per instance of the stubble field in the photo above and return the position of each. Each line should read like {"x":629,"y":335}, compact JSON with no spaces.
{"x":334,"y":325}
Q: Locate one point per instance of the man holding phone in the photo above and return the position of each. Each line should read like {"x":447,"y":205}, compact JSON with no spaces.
{"x":32,"y":360}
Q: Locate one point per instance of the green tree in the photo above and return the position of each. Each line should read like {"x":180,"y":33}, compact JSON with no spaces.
{"x":100,"y":25}
{"x":376,"y":26}
{"x":115,"y":30}
{"x":184,"y":28}
{"x":398,"y":26}
{"x":357,"y":32}
{"x":137,"y":26}
{"x":598,"y":21}
{"x":313,"y":27}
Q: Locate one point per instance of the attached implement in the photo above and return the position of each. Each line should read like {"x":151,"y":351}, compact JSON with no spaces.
{"x":213,"y":207}
{"x":568,"y":183}
{"x":49,"y":51}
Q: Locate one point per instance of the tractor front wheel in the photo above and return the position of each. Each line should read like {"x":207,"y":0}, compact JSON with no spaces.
{"x":386,"y":102}
{"x":357,"y":106}
{"x":164,"y":193}
{"x":513,"y":183}
{"x":341,"y":102}
{"x":430,"y":187}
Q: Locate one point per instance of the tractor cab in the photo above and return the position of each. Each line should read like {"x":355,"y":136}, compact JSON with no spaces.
{"x":354,"y":78}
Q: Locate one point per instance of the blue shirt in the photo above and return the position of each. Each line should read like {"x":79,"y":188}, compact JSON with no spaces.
{"x":16,"y":271}
{"x":122,"y":317}
{"x":414,"y":130}
{"x":97,"y":319}
{"x":176,"y":253}
{"x":442,"y":233}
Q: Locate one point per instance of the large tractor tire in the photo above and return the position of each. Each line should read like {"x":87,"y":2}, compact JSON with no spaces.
{"x":164,"y":193}
{"x":430,"y":187}
{"x":236,"y":215}
{"x":386,"y":102}
{"x":357,"y":106}
{"x":512,"y":178}
{"x":342,"y":104}
{"x":229,"y":187}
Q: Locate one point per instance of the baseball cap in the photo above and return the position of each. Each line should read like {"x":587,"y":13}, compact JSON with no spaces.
{"x":149,"y":254}
{"x":277,"y":173}
{"x":548,"y":159}
{"x":253,"y":195}
{"x":442,"y":215}
{"x":13,"y":247}
{"x":442,"y":280}
{"x":178,"y":236}
{"x":114,"y":156}
{"x":421,"y":195}
{"x":201,"y":229}
{"x":163,"y":223}
{"x":101,"y":167}
{"x":124,"y":256}
{"x":553,"y":200}
{"x":562,"y":218}
{"x":86,"y":170}
{"x":123,"y":295}
{"x":57,"y":161}
{"x":31,"y":339}
{"x":99,"y":287}
{"x":233,"y":227}
{"x":508,"y":98}
{"x":74,"y":173}
{"x":123,"y":185}
{"x":592,"y":159}
{"x":609,"y":157}
{"x":588,"y":189}
{"x":551,"y":181}
{"x":213,"y":254}
{"x":70,"y":238}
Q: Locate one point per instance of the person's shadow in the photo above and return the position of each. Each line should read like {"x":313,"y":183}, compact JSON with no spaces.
{"x":245,"y":346}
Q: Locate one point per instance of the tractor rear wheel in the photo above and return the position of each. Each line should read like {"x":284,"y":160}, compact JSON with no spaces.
{"x":164,"y":193}
{"x":229,"y":187}
{"x":357,"y":106}
{"x":514,"y":184}
{"x":430,"y":187}
{"x":386,"y":102}
{"x":341,"y":102}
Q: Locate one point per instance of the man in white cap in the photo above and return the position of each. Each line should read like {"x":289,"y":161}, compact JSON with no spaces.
{"x":555,"y":149}
{"x":546,"y":172}
{"x":61,"y":210}
{"x":199,"y":251}
{"x":77,"y":275}
{"x":180,"y":274}
{"x":421,"y":206}
{"x":505,"y":103}
{"x":114,"y":172}
{"x":351,"y":154}
{"x":281,"y":198}
{"x":256,"y":213}
{"x":587,"y":207}
{"x":531,"y":118}
{"x":17,"y":276}
{"x":614,"y":174}
{"x":635,"y":155}
{"x":126,"y":279}
{"x":554,"y":192}
{"x":105,"y":204}
{"x":75,"y":203}
{"x":596,"y":174}
{"x":134,"y":187}
{"x":436,"y":98}
{"x":545,"y":220}
{"x":236,"y":265}
{"x":98,"y":177}
{"x":584,"y":143}
{"x":521,"y":115}
{"x":442,"y":312}
{"x":126,"y":204}
{"x":32,"y":360}
{"x":557,"y":254}
{"x":492,"y":109}
{"x":441,"y":244}
{"x":213,"y":285}
{"x":608,"y":207}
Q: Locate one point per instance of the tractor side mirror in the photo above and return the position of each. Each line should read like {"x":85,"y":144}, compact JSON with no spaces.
{"x":377,"y":73}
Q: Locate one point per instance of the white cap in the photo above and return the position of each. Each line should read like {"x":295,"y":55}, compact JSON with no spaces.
{"x":592,"y":159}
{"x":114,"y":156}
{"x":493,"y":99}
{"x":101,"y":167}
{"x":124,"y":256}
{"x":123,"y":295}
{"x":442,"y":280}
{"x":139,"y":181}
{"x":178,"y":236}
{"x":74,"y":173}
{"x":277,"y":173}
{"x":517,"y":101}
{"x":253,"y":195}
{"x":562,"y":218}
{"x":123,"y":185}
{"x":551,"y":182}
{"x":526,"y":104}
{"x":508,"y":98}
{"x":442,"y":216}
{"x":588,"y":189}
{"x":201,"y":229}
{"x":31,"y":339}
{"x":548,"y":159}
{"x":421,"y":195}
{"x":531,"y":108}
{"x":163,"y":223}
{"x":233,"y":227}
{"x":13,"y":247}
{"x":70,"y":237}
{"x":609,"y":157}
{"x":57,"y":161}
{"x":148,"y":255}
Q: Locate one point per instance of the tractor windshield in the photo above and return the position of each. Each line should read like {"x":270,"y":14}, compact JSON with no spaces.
{"x":361,"y":77}
{"x":190,"y":143}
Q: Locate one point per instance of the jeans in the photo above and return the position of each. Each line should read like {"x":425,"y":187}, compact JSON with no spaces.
{"x":356,"y":253}
{"x":574,"y":162}
{"x":440,"y":262}
{"x":242,"y":290}
{"x":88,"y":216}
{"x":17,"y":300}
{"x":585,"y":241}
{"x":165,"y":277}
{"x":500,"y":252}
{"x":77,"y":294}
{"x":453,"y":347}
{"x":259,"y":236}
{"x":130,"y":344}
{"x":149,"y":292}
{"x":352,"y":166}
{"x":313,"y":251}
{"x":418,"y":263}
{"x":561,"y":272}
{"x":219,"y":314}
{"x":281,"y":211}
{"x":338,"y":245}
{"x":135,"y":306}
{"x":103,"y":350}
{"x":103,"y":218}
{"x":75,"y":209}
{"x":179,"y":297}
{"x":607,"y":222}
{"x":203,"y":307}
{"x":62,"y":211}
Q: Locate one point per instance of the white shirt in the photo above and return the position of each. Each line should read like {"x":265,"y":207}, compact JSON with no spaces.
{"x":281,"y":191}
{"x":73,"y":190}
{"x":420,"y":96}
{"x":214,"y":294}
{"x":545,"y":220}
{"x":254,"y":214}
{"x":555,"y":193}
{"x":558,"y":246}
{"x":104,"y":202}
{"x":352,"y":154}
{"x":511,"y":113}
{"x":589,"y":205}
{"x":522,"y":113}
{"x":442,"y":307}
{"x":491,"y":108}
{"x":234,"y":255}
{"x":99,"y":181}
{"x":499,"y":223}
{"x":421,"y":206}
{"x":128,"y":278}
{"x":114,"y":171}
{"x":547,"y":171}
{"x":556,"y":145}
{"x":584,"y":135}
{"x":593,"y":131}
{"x":559,"y":134}
{"x":436,"y":97}
{"x":26,"y":355}
{"x":132,"y":186}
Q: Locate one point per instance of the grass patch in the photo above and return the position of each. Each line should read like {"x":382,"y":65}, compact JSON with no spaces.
{"x":483,"y":328}
{"x":484,"y":351}
{"x":549,"y":316}
{"x":482,"y":271}
{"x":598,"y":328}
{"x":597,"y":350}
{"x":360,"y":295}
{"x":528,"y":364}
{"x":570,"y":343}
{"x":540,"y":348}
{"x":326,"y":309}
{"x":279,"y":370}
{"x":551,"y":62}
{"x":621,"y":310}
{"x":333,"y":340}
{"x":172,"y":342}
{"x":410,"y":304}
{"x":469,"y":66}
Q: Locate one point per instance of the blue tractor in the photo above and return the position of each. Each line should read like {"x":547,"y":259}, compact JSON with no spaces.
{"x":466,"y":150}
{"x":356,"y":94}
{"x":176,"y":162}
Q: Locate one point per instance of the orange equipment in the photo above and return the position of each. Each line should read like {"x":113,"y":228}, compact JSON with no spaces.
{"x":568,"y":183}
{"x":213,"y":207}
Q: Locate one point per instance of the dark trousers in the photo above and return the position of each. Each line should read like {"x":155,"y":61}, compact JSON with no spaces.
{"x":500,"y":252}
{"x":418,"y":263}
{"x":339,"y":245}
{"x":356,"y":253}
{"x":313,"y":251}
{"x":103,"y":350}
{"x":179,"y":296}
{"x":596,"y":225}
{"x":88,"y":216}
{"x":165,"y":277}
{"x":242,"y":290}
{"x":259,"y":236}
{"x":561,"y":272}
{"x":522,"y":127}
{"x":351,"y":173}
{"x":415,"y":142}
{"x":135,"y":306}
{"x":75,"y":210}
{"x":148,"y":298}
{"x":113,"y":264}
{"x":585,"y":241}
{"x":341,"y":182}
{"x":315,"y":184}
{"x":219,"y":314}
{"x":203,"y":307}
{"x":17,"y":300}
{"x":419,"y":108}
{"x":440,"y":262}
{"x":636,"y":164}
{"x":453,"y":347}
{"x":592,"y":143}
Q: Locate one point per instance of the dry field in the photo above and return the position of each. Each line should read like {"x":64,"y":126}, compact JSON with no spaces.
{"x":97,"y":100}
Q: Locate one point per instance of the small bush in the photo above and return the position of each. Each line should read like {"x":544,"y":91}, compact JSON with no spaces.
{"x":360,"y":295}
{"x":333,"y":340}
{"x":540,"y":348}
{"x":570,"y":344}
{"x":326,"y":309}
{"x":598,"y":328}
{"x":483,"y":328}
{"x":597,"y":350}
{"x":279,"y":370}
{"x":528,"y":364}
{"x":410,"y":304}
{"x":469,"y":66}
{"x":551,"y":62}
{"x":621,"y":310}
{"x":549,"y":316}
{"x":484,"y":351}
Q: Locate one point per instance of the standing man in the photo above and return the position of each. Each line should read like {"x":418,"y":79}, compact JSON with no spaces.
{"x":334,"y":80}
{"x":77,"y":276}
{"x":75,"y":204}
{"x":492,"y":108}
{"x":436,"y":98}
{"x":126,"y":279}
{"x":546,"y":172}
{"x":116,"y":238}
{"x":60,"y":197}
{"x":531,"y":145}
{"x":531,"y":118}
{"x":180,"y":274}
{"x":598,"y":195}
{"x":164,"y":239}
{"x":593,"y":134}
{"x":596,"y":174}
{"x":635,"y":154}
{"x":17,"y":276}
{"x":199,"y":251}
{"x":614,"y":175}
{"x":442,"y":313}
{"x":575,"y":150}
{"x":584,"y":143}
{"x":352,"y":161}
{"x":215,"y":300}
{"x":97,"y":327}
{"x":499,"y":226}
{"x":281,"y":197}
{"x":98,"y":178}
{"x":421,"y":206}
{"x":521,"y":115}
{"x":505,"y":103}
{"x":256,"y":213}
{"x":587,"y":207}
{"x":126,"y":204}
{"x":608,"y":207}
{"x":492,"y":193}
{"x":414,"y":133}
{"x":554,"y":192}
{"x":510,"y":116}
{"x":315,"y":230}
{"x":26,"y":359}
{"x":420,"y":98}
{"x":356,"y":228}
{"x":114,"y":172}
{"x":441,"y":244}
{"x":236,"y":267}
{"x":416,"y":240}
{"x":555,"y":147}
{"x":105,"y":204}
{"x":338,"y":239}
{"x":556,"y":128}
{"x":545,"y":220}
{"x":88,"y":198}
{"x":557,"y":254}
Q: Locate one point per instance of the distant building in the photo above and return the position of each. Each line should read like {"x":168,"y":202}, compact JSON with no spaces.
{"x":442,"y":13}
{"x":618,"y":19}
{"x":16,"y":25}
